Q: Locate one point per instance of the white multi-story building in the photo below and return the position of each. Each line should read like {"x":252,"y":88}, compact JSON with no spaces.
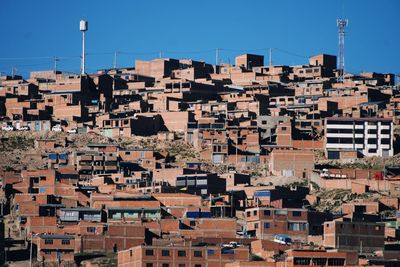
{"x":365,"y":136}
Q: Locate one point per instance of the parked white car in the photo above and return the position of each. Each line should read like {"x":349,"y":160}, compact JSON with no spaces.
{"x":7,"y":128}
{"x":57,"y":128}
{"x":72,"y":131}
{"x":24,"y":128}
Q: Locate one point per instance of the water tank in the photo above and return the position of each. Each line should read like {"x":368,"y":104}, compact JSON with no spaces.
{"x":83,"y":25}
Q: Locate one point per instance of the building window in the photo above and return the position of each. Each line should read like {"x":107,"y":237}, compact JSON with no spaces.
{"x":359,"y":141}
{"x":248,"y":214}
{"x":255,"y":213}
{"x":335,"y":262}
{"x":256,"y":226}
{"x":210,"y":252}
{"x":165,"y":265}
{"x":149,"y":252}
{"x":280,"y":212}
{"x":296,"y":213}
{"x":266,"y":225}
{"x":149,"y":264}
{"x":197,"y":265}
{"x":385,"y":141}
{"x":198,"y":253}
{"x":267,"y":213}
{"x":165,"y":253}
{"x":181,"y":265}
{"x":181,"y":253}
{"x":91,"y":229}
{"x":192,"y":223}
{"x":372,"y":141}
{"x":48,"y":241}
{"x":297,"y":226}
{"x":65,"y":242}
{"x":302,"y":261}
{"x":319,"y":261}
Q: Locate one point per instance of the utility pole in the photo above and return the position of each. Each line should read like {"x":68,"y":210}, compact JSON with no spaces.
{"x":55,"y":64}
{"x":115,"y":59}
{"x":160,"y":55}
{"x":237,"y":143}
{"x":13,"y":71}
{"x":31,"y":250}
{"x":231,"y":203}
{"x":30,"y":253}
{"x":216,"y":56}
{"x":270,"y":57}
{"x":398,"y":81}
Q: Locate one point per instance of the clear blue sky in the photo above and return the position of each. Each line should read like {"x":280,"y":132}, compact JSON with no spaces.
{"x":193,"y":29}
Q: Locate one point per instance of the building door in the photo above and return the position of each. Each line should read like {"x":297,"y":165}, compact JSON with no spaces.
{"x":217,"y":158}
{"x":45,"y":126}
{"x":59,"y":256}
{"x":37,"y":126}
{"x":385,"y":153}
{"x":108,"y":132}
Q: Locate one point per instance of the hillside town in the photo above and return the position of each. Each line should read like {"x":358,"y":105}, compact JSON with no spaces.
{"x":178,"y":162}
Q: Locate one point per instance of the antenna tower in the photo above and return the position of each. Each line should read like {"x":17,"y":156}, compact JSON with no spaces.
{"x":341,"y":24}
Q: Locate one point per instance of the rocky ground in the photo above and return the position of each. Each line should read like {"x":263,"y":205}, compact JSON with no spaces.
{"x":17,"y":152}
{"x":332,"y":200}
{"x":377,"y":163}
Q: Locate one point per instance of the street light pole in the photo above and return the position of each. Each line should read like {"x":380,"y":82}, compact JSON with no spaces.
{"x":30,"y":254}
{"x":31,"y":250}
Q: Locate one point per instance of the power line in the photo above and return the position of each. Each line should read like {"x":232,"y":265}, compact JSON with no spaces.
{"x":35,"y":58}
{"x":290,"y":53}
{"x":148,"y":53}
{"x":244,"y":50}
{"x":27,"y":65}
{"x":24,"y":58}
{"x":156,"y":53}
{"x":100,"y":53}
{"x":191,"y":52}
{"x":139,"y":53}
